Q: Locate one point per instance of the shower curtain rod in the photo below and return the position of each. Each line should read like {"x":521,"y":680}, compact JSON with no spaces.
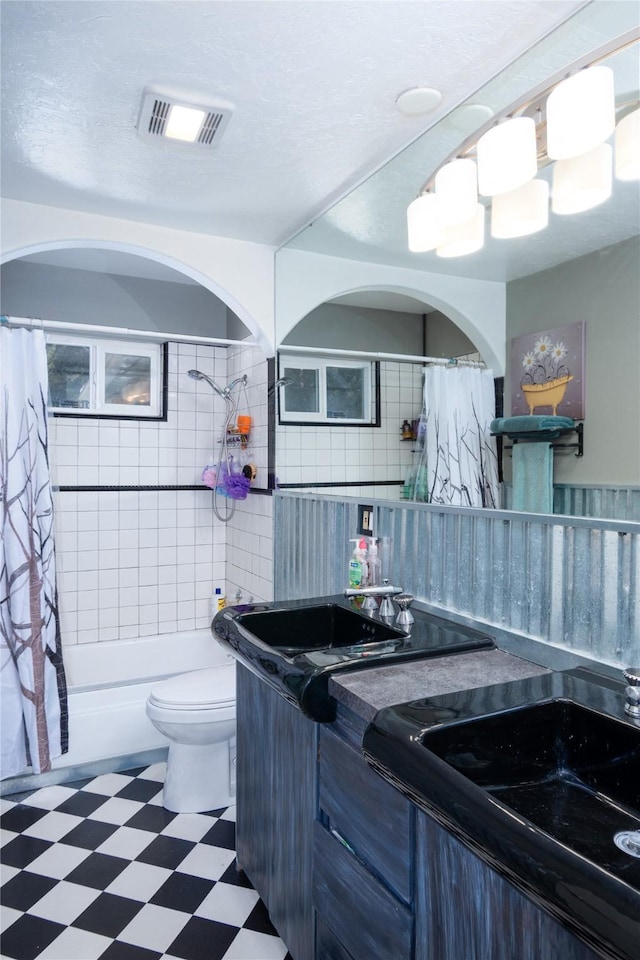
{"x":370,"y":355}
{"x":66,"y":326}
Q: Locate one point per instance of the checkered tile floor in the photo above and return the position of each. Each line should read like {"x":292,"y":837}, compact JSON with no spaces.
{"x":99,"y":870}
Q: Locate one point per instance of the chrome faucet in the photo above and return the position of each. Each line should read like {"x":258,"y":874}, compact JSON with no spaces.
{"x":632,"y":691}
{"x":372,"y":594}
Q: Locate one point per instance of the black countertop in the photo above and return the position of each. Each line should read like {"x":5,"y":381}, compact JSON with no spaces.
{"x":586,"y":881}
{"x":303,"y":678}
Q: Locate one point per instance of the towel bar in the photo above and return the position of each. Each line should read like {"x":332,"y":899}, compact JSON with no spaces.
{"x":578,"y":446}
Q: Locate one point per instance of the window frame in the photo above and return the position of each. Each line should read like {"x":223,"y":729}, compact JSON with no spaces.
{"x":99,"y":347}
{"x":371,"y":392}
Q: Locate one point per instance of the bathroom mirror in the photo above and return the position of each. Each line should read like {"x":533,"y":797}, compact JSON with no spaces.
{"x":358,"y":250}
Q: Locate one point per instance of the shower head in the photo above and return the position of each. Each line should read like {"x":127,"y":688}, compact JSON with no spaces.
{"x":234,"y":383}
{"x":282,"y":382}
{"x":197,"y":375}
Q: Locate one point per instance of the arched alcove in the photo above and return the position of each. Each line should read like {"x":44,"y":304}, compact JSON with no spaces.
{"x":131,"y":287}
{"x":384,"y":321}
{"x":305,"y":280}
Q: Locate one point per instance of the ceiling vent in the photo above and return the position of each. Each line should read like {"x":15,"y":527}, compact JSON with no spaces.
{"x":164,"y":117}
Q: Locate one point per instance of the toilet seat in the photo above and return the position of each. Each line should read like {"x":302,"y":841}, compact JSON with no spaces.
{"x":207,"y":689}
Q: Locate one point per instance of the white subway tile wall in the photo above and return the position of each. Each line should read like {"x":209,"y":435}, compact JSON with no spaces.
{"x":249,"y":566}
{"x":307,"y":454}
{"x":139,"y":563}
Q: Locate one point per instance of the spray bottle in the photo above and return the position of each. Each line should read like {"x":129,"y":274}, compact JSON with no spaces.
{"x":358,"y":565}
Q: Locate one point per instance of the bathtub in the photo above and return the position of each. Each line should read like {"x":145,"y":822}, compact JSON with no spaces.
{"x":108,"y":685}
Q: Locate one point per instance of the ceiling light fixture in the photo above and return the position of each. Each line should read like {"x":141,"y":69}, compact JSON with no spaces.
{"x":507,"y":156}
{"x":184,"y":123}
{"x":581,"y":113}
{"x":166,"y":116}
{"x":568,"y":123}
{"x":463,"y":238}
{"x":581,"y":183}
{"x":521,"y":212}
{"x":457,"y":192}
{"x":423,"y":223}
{"x":627,"y":146}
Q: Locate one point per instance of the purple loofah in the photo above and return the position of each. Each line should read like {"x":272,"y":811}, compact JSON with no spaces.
{"x":237,"y":486}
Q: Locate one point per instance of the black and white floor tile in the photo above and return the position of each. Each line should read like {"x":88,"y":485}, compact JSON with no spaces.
{"x":99,"y":870}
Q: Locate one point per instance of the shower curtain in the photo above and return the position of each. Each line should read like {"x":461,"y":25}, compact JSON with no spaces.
{"x":460,"y":465}
{"x":32,"y":680}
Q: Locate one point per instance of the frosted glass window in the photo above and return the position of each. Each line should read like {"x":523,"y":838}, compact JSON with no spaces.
{"x":327,"y":392}
{"x":301,"y":393}
{"x":69,"y":376}
{"x":345,"y":393}
{"x":127,"y":379}
{"x":105,"y":378}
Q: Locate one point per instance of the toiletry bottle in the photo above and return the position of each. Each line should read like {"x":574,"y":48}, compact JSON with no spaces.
{"x":218,"y":601}
{"x":358,"y":565}
{"x":373,"y":563}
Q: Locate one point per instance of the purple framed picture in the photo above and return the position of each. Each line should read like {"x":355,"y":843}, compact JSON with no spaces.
{"x":547,"y":372}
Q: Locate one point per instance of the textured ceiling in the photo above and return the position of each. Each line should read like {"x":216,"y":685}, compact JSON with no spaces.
{"x":313,"y":86}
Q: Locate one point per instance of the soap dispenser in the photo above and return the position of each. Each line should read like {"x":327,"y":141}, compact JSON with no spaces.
{"x":358,"y":565}
{"x":373,"y":562}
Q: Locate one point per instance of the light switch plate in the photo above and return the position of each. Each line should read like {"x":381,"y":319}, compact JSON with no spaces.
{"x":365,"y":520}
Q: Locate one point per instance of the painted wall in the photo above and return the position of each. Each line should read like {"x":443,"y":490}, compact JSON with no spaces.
{"x":305,"y":280}
{"x":603,"y":289}
{"x":240,"y":273}
{"x":89,"y":296}
{"x":444,"y":339}
{"x":359,"y":328}
{"x":386,"y":331}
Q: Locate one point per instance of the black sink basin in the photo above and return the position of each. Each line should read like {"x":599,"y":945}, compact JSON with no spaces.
{"x":296,"y":645}
{"x":324,"y":626}
{"x":540,"y":778}
{"x":569,"y":770}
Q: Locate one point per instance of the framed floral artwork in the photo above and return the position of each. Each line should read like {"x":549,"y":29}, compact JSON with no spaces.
{"x":547,"y":372}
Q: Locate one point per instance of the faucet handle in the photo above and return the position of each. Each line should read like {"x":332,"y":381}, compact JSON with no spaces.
{"x":405,"y":617}
{"x":632,"y":691}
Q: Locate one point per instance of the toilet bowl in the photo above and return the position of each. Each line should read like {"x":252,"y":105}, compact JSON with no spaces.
{"x":197,"y":713}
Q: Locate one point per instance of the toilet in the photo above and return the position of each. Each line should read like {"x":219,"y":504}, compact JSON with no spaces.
{"x":197,"y":713}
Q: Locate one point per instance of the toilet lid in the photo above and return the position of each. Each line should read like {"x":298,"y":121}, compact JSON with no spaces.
{"x":213,"y":687}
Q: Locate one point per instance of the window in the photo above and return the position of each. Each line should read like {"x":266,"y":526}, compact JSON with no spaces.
{"x":329,"y":392}
{"x":105,"y":378}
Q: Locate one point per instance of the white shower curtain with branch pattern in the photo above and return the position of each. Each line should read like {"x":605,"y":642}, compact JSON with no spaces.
{"x":33,"y":687}
{"x":461,"y":459}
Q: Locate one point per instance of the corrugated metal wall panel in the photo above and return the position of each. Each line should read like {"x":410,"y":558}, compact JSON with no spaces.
{"x":569,"y":581}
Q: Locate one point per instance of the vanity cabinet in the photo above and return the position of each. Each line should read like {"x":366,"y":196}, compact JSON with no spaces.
{"x":466,"y":909}
{"x":349,"y":869}
{"x":362,"y":856}
{"x":276,"y":807}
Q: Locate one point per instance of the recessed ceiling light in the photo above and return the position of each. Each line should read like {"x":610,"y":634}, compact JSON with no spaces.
{"x":418,"y":100}
{"x":165,"y":115}
{"x":184,"y":123}
{"x":470,"y":116}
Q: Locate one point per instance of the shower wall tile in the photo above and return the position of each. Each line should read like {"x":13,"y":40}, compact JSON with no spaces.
{"x":249,"y":534}
{"x":135,"y":563}
{"x":330,"y":454}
